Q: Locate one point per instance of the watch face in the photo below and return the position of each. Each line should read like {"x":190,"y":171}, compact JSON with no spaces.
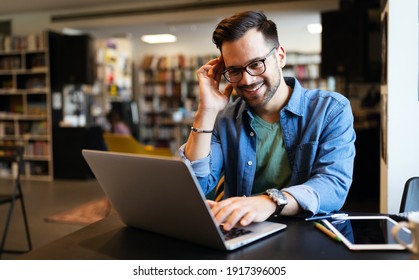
{"x":281,"y":198}
{"x":277,"y":196}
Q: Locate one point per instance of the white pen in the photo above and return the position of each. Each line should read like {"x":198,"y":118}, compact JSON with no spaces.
{"x":327,"y":216}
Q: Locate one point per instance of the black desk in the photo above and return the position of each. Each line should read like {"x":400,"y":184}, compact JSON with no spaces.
{"x":110,"y":239}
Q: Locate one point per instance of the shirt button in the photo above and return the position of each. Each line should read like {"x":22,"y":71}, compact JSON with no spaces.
{"x":252,"y":134}
{"x":249,"y":162}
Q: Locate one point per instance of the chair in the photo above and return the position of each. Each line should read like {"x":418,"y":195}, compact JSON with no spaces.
{"x":410,"y":198}
{"x":14,"y":156}
{"x":219,"y":190}
{"x":128,"y":144}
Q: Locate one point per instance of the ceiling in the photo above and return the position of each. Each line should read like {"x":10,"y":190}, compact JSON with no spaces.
{"x":104,"y":18}
{"x":24,"y":6}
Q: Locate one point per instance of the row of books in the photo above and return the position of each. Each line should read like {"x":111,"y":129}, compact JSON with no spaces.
{"x":15,"y":62}
{"x":30,"y":168}
{"x":174,"y":61}
{"x":32,"y":148}
{"x":160,"y":105}
{"x":181,"y":61}
{"x":38,"y":128}
{"x":6,"y":82}
{"x":37,"y":109}
{"x":309,"y":71}
{"x":7,"y":129}
{"x":296,"y":58}
{"x":16,"y":111}
{"x":36,"y":81}
{"x":29,"y":42}
{"x":162,"y":90}
{"x":37,"y":148}
{"x":24,"y":81}
{"x":10,"y":62}
{"x":162,"y":132}
{"x":176,"y":75}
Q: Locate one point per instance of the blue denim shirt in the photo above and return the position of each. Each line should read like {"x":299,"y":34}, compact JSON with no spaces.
{"x":319,"y":139}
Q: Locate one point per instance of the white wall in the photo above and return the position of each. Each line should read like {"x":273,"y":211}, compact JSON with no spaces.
{"x":403,"y":103}
{"x":197,"y":38}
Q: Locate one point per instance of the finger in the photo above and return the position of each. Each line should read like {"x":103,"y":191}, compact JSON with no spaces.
{"x":211,"y":203}
{"x":209,"y":67}
{"x":228,"y":90}
{"x":219,"y":68}
{"x":247,"y":219}
{"x":219,"y":206}
{"x":223,"y":214}
{"x":204,"y":69}
{"x":228,"y":212}
{"x":213,"y":61}
{"x":234,"y":218}
{"x":212,"y":72}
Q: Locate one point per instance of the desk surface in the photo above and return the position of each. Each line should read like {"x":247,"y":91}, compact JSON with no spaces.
{"x":111,"y":239}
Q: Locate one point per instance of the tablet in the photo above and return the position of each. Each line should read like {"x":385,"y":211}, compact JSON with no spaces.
{"x":368,"y":232}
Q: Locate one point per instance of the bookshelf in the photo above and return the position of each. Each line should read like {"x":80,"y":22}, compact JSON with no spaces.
{"x":306,"y":68}
{"x":25,"y":115}
{"x":114,"y":68}
{"x":168,"y":98}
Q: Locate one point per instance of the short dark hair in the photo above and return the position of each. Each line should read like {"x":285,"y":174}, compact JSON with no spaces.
{"x":233,"y":28}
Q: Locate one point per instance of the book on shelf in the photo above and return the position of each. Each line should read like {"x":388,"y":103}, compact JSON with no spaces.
{"x":37,"y":109}
{"x":36,"y":61}
{"x":38,"y":128}
{"x":8,"y":129}
{"x":31,"y":42}
{"x":146,"y":62}
{"x":37,"y":148}
{"x":8,"y":63}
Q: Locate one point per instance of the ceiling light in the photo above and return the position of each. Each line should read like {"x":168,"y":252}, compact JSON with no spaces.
{"x":72,"y":31}
{"x":314,"y":28}
{"x":159,"y":38}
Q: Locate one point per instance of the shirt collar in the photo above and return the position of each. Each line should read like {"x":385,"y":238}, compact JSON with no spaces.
{"x":296,"y":103}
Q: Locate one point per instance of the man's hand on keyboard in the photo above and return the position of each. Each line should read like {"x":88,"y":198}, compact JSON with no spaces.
{"x":241,"y":210}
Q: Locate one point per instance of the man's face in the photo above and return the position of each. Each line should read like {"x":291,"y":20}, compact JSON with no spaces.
{"x":257,"y":91}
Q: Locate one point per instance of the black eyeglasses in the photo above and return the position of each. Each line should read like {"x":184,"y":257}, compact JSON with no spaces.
{"x":254,"y":68}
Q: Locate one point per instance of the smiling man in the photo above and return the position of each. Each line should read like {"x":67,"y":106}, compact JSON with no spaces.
{"x":282,"y":149}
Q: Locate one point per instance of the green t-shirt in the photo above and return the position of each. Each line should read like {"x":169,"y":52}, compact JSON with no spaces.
{"x":272,"y":166}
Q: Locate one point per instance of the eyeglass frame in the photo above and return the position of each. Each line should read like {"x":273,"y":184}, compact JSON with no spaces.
{"x":225,"y":72}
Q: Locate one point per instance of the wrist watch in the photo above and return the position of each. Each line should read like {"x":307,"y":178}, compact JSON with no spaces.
{"x":279,"y":198}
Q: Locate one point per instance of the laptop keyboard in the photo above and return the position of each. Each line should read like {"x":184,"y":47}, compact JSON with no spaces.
{"x":234,"y":232}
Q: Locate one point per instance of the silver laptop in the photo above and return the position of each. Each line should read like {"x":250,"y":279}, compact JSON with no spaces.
{"x":162,"y":195}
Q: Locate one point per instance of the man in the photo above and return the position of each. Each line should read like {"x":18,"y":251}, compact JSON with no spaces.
{"x":281,"y":148}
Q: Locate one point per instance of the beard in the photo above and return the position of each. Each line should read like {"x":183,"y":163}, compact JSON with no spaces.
{"x":260,"y":99}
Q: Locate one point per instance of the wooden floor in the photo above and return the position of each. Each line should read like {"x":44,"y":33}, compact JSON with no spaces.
{"x":43,"y":199}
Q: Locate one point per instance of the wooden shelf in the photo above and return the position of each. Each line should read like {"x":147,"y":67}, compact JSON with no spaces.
{"x":25,"y":116}
{"x":168,"y":90}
